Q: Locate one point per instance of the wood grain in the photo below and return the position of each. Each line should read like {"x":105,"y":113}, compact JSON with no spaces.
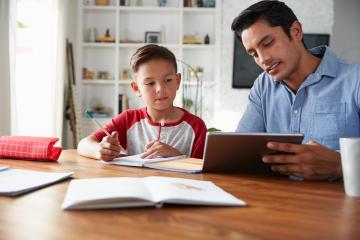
{"x":278,"y":208}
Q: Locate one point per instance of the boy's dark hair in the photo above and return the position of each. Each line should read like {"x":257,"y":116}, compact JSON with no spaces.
{"x":151,"y":52}
{"x":274,"y":12}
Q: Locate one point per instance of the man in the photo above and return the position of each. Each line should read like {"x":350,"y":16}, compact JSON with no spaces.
{"x":300,"y":91}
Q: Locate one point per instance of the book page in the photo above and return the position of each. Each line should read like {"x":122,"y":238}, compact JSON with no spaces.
{"x":107,"y":193}
{"x":17,"y":181}
{"x":137,"y":161}
{"x":2,"y":167}
{"x":185,"y":165}
{"x":188,"y":191}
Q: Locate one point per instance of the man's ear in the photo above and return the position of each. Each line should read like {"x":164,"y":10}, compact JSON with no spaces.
{"x":178,"y":80}
{"x":296,"y":31}
{"x":135,"y":87}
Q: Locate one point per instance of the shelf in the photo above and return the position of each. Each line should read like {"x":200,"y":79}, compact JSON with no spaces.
{"x":100,"y":8}
{"x":132,"y":22}
{"x":149,"y":9}
{"x":102,"y":120}
{"x":124,"y":82}
{"x":98,"y":45}
{"x":97,"y":81}
{"x":199,"y":10}
{"x":138,"y":45}
{"x":198,"y":46}
{"x":204,"y":83}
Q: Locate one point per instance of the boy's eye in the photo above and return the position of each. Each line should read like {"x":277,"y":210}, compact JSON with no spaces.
{"x":168,"y":80}
{"x":149,"y":83}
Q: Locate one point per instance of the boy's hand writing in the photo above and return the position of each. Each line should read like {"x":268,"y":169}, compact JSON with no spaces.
{"x":158,"y":149}
{"x":110,"y":147}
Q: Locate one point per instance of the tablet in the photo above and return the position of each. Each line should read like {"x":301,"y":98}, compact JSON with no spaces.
{"x":242,"y":152}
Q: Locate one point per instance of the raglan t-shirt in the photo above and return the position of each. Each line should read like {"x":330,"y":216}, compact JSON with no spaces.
{"x":136,"y":129}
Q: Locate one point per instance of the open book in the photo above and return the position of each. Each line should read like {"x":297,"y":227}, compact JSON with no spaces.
{"x":178,"y":163}
{"x":17,"y":181}
{"x":119,"y":192}
{"x":137,"y":161}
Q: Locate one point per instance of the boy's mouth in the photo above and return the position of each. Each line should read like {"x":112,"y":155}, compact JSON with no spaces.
{"x":161,"y":98}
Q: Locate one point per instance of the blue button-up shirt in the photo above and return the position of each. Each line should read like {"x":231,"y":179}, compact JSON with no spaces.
{"x":325,"y":108}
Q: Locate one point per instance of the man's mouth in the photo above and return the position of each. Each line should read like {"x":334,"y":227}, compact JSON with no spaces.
{"x":272,"y":67}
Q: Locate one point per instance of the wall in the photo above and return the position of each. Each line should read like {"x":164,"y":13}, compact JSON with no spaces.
{"x":316,"y":17}
{"x":5,"y":127}
{"x":71,"y":32}
{"x":346,"y":34}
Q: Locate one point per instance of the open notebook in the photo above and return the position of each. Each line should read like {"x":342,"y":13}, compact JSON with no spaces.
{"x":178,"y":163}
{"x":120,"y":192}
{"x":14,"y":182}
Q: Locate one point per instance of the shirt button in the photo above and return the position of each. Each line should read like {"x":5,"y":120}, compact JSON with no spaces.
{"x":295,"y":111}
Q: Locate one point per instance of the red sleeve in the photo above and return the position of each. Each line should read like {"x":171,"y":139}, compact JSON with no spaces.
{"x":199,"y":142}
{"x":122,"y":123}
{"x":117,"y":124}
{"x":200,"y":130}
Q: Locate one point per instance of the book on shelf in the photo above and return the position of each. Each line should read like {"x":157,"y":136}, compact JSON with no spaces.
{"x":176,"y":164}
{"x":123,"y":192}
{"x":123,"y":103}
{"x":14,"y":182}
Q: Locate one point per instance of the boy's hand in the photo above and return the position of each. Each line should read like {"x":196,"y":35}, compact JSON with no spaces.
{"x":110,"y":147}
{"x":158,"y":149}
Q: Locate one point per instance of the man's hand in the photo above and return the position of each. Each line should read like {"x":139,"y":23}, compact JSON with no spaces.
{"x":110,"y":147}
{"x":158,"y":149}
{"x":310,"y":161}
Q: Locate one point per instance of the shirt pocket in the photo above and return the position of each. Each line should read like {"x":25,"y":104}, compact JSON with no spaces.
{"x":328,"y":121}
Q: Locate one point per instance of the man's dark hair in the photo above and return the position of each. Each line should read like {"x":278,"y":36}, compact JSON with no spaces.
{"x":151,"y":52}
{"x":275,"y":13}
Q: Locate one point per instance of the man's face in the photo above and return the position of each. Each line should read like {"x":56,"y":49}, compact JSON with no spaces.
{"x":157,"y":83}
{"x":272,"y":49}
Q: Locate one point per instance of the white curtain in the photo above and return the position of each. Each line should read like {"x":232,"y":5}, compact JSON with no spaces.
{"x":7,"y":23}
{"x":38,"y":87}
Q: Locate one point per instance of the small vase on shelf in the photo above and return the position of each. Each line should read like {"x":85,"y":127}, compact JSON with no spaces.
{"x":162,"y":3}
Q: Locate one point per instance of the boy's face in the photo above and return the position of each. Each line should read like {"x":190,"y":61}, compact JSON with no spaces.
{"x":272,"y":49}
{"x":157,"y":83}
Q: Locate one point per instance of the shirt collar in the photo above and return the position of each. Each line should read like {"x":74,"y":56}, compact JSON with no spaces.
{"x":329,"y":63}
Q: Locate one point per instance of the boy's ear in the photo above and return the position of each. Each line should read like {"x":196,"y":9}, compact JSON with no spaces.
{"x":135,"y":87}
{"x":178,"y":80}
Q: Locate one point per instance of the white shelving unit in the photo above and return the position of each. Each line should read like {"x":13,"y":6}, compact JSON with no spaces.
{"x":128,"y":25}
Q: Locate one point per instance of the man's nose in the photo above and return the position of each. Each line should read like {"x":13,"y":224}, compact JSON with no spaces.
{"x":264,"y":58}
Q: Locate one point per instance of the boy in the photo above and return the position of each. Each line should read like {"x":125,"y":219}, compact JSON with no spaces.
{"x":159,"y":129}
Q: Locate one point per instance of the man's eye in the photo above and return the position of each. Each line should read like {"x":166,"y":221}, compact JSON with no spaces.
{"x":268,"y":43}
{"x":254,"y":55}
{"x":149,"y":83}
{"x":168,"y":80}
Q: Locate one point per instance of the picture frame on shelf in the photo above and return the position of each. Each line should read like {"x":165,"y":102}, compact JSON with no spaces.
{"x":152,"y":37}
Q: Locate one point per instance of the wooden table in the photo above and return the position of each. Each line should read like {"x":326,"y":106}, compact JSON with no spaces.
{"x":278,"y":208}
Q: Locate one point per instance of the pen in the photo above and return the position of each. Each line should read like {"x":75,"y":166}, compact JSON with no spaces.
{"x":89,"y":114}
{"x":159,"y":130}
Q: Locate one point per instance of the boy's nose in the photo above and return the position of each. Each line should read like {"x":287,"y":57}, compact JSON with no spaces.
{"x":159,"y":88}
